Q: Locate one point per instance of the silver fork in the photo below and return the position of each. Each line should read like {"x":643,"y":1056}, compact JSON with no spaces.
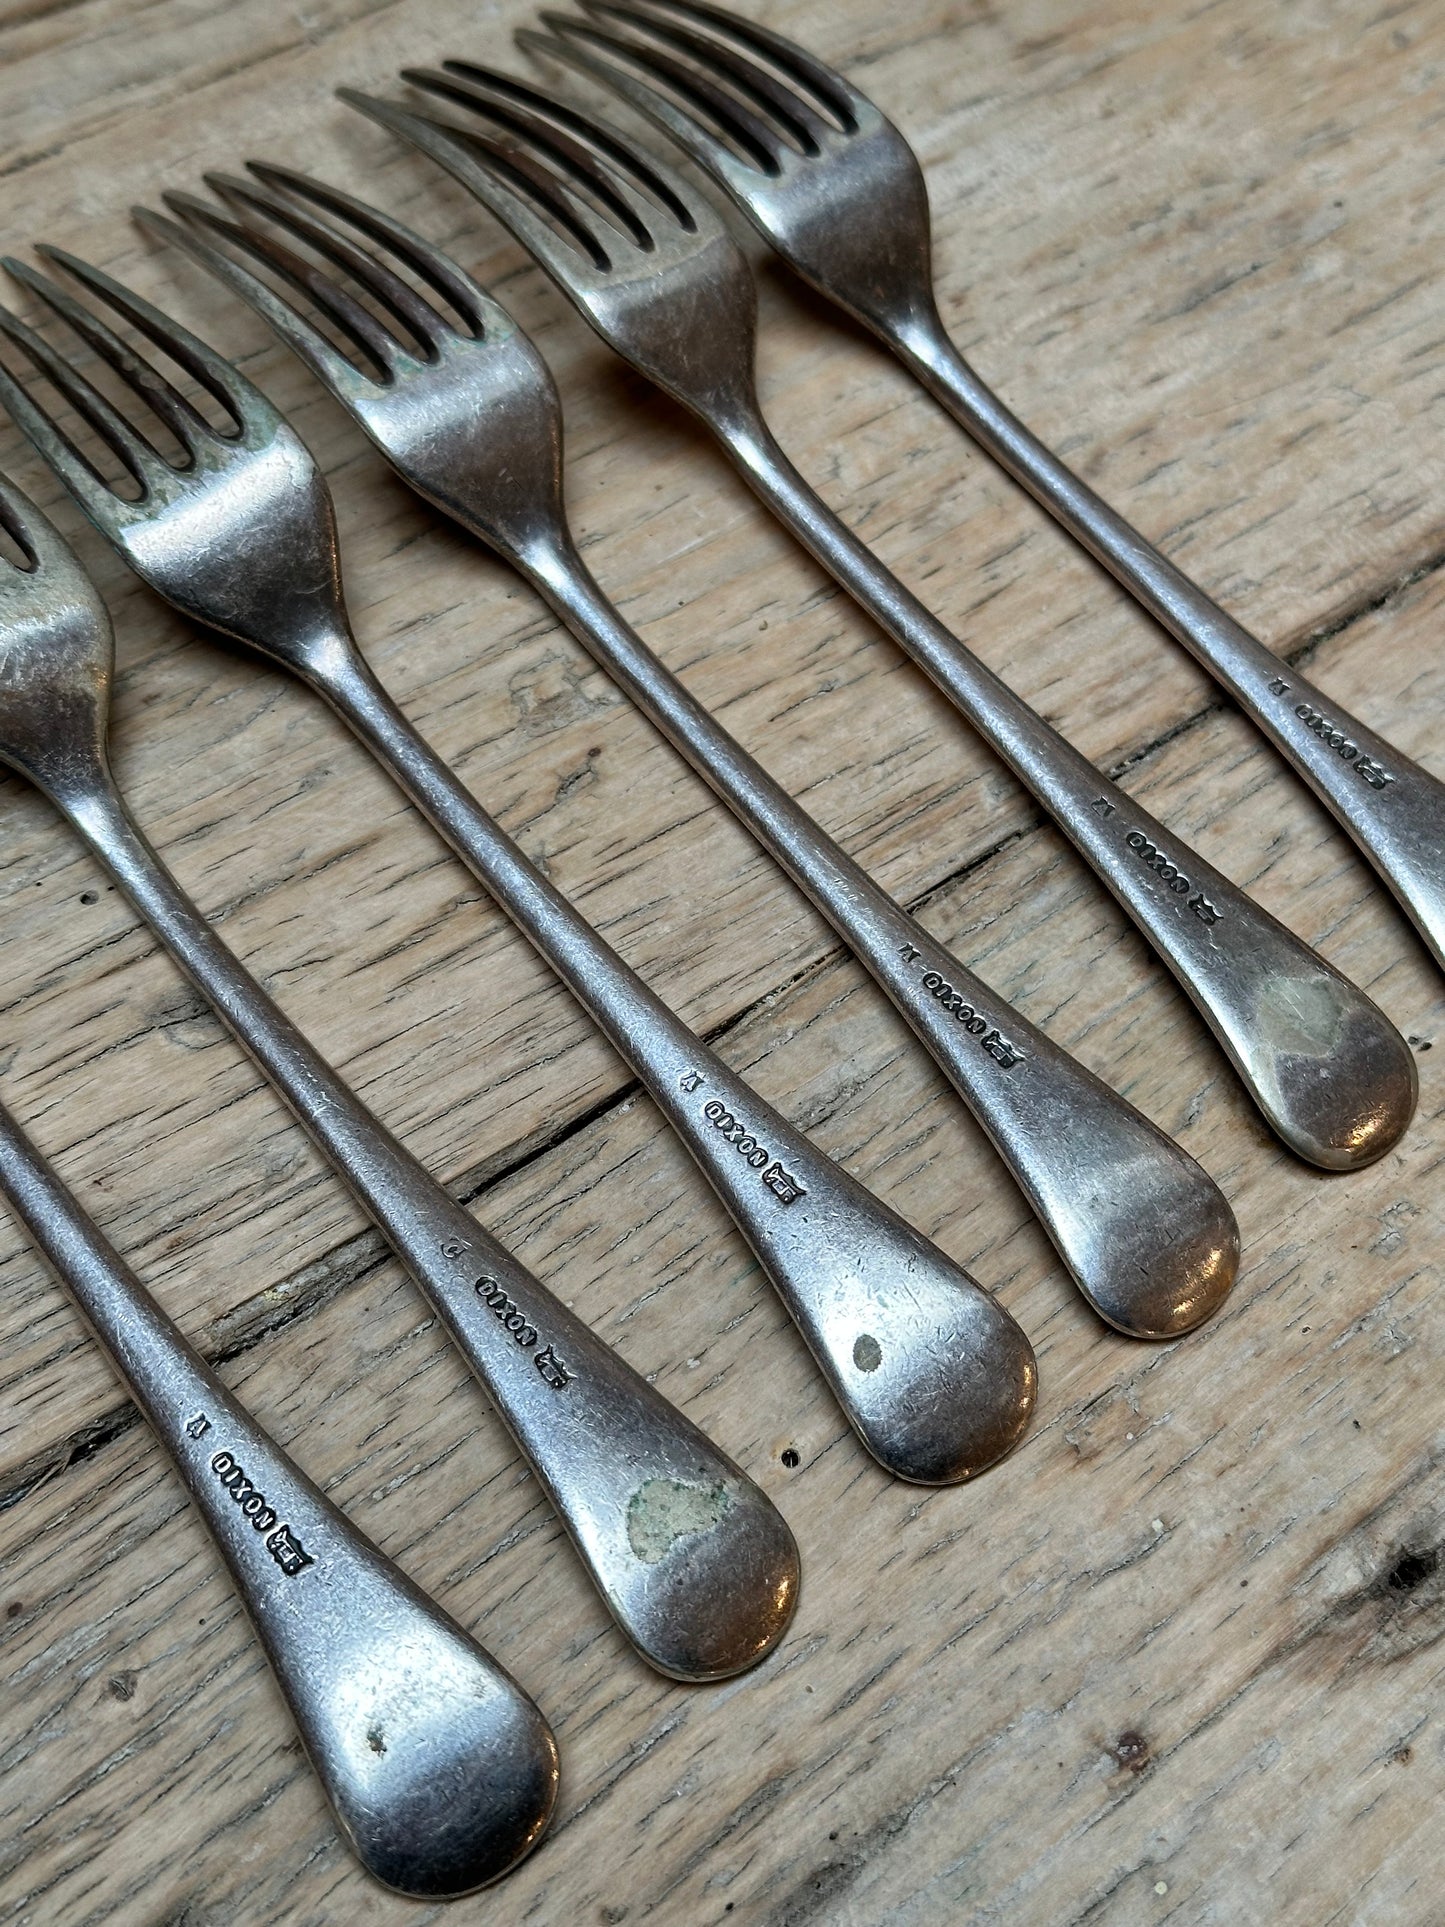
{"x":650,"y":265}
{"x":934,"y":1375}
{"x":473,"y":422}
{"x":833,"y":185}
{"x":440,"y":1770}
{"x":694,"y":1561}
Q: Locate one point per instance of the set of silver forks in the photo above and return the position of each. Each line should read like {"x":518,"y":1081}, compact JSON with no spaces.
{"x":237,"y":531}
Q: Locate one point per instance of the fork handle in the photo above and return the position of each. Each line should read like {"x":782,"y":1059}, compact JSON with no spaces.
{"x":1144,"y":1231}
{"x":1325,"y":1066}
{"x":1394,"y":810}
{"x":376,"y":1675}
{"x":935,"y":1377}
{"x":701,"y":1597}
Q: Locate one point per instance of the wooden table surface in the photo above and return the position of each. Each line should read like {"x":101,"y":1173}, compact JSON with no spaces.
{"x":1179,"y":1658}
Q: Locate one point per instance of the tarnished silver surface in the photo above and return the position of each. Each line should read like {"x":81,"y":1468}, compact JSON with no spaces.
{"x":834,"y":186}
{"x":476,"y":427}
{"x":693,"y":1560}
{"x":441,"y":1771}
{"x":649,"y":263}
{"x":936,"y":1377}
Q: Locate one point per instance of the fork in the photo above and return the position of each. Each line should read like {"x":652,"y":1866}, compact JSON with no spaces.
{"x":440,"y":1770}
{"x":473,"y":422}
{"x":650,"y":265}
{"x":694,"y":1561}
{"x":836,"y":189}
{"x":935,"y":1376}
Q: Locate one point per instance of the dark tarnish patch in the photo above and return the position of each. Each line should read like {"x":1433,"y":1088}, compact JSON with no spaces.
{"x":867,"y":1353}
{"x":665,"y":1510}
{"x":1400,"y":1607}
{"x":1410,"y":1571}
{"x":814,"y":1901}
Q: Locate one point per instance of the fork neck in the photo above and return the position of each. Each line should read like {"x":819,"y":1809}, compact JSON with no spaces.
{"x":922,"y":343}
{"x":768,"y":468}
{"x":323,"y":653}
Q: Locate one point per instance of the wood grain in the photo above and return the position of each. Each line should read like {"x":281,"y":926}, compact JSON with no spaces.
{"x":1178,"y":1660}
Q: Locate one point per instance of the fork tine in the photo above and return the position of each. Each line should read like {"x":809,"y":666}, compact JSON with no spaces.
{"x":21,"y":521}
{"x":13,"y":522}
{"x":55,"y":448}
{"x":466,"y":89}
{"x":827,"y":87}
{"x":379,"y":341}
{"x":594,"y":158}
{"x":504,"y":178}
{"x":44,"y":547}
{"x":260,"y":196}
{"x":161,"y":395}
{"x":130,"y":448}
{"x":782,"y":106}
{"x":609,"y":58}
{"x":325,"y":361}
{"x":225,"y":384}
{"x":451,"y":282}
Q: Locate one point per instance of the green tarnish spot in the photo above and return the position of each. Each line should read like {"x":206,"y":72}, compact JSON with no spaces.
{"x":867,"y":1353}
{"x":1301,"y":1015}
{"x":664,"y":1511}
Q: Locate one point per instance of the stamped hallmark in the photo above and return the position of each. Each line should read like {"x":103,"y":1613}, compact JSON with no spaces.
{"x":504,"y":1309}
{"x":513,"y":1320}
{"x":552,"y":1369}
{"x":197,"y":1426}
{"x":1153,"y":858}
{"x":783,"y":1185}
{"x":1365,"y":767}
{"x":689,"y":1081}
{"x":958,"y":1007}
{"x":288,"y":1552}
{"x":281,"y":1542}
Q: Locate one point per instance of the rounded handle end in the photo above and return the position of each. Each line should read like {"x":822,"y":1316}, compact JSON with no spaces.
{"x":939,"y":1381}
{"x":714,"y":1574}
{"x":1332,"y":1074}
{"x":443,"y":1773}
{"x":1164,"y":1253}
